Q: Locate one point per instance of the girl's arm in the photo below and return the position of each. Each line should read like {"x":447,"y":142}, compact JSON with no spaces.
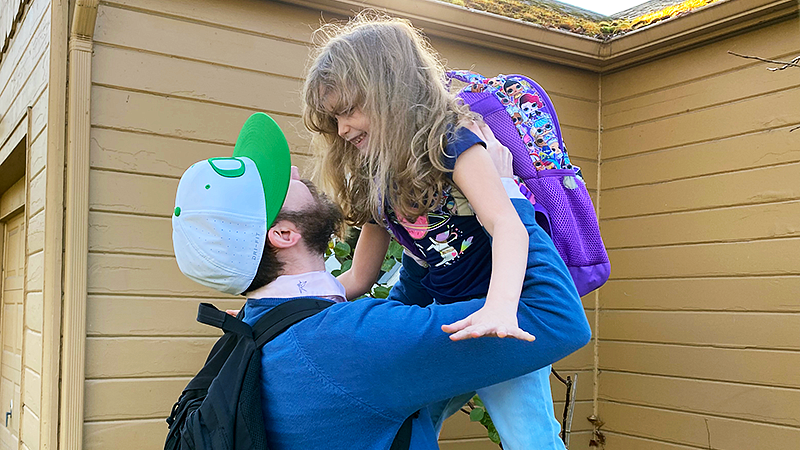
{"x":478,"y":179}
{"x":367,"y":259}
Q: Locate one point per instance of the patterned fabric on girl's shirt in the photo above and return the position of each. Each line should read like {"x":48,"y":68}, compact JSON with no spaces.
{"x":450,"y":239}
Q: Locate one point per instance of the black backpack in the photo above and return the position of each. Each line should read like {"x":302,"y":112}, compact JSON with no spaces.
{"x":220,"y":408}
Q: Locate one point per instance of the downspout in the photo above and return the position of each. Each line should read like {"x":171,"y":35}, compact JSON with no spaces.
{"x":598,"y":439}
{"x":76,"y":227}
{"x":54,"y":225}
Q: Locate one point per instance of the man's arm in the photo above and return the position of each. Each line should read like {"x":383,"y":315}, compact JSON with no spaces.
{"x":397,"y":359}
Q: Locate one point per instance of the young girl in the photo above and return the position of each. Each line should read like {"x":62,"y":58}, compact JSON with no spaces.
{"x":401,"y":152}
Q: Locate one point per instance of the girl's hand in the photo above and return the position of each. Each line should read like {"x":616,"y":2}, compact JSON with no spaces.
{"x":487,"y":322}
{"x":500,"y":154}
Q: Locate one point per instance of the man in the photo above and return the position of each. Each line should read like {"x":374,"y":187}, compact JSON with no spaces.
{"x":350,"y":375}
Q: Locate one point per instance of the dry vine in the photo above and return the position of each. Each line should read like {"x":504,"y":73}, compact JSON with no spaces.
{"x":786,"y":65}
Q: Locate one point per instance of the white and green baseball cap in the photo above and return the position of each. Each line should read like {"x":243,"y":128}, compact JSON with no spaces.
{"x":224,"y":207}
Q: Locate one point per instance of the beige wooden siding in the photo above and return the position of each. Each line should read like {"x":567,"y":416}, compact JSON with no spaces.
{"x":24,"y":74}
{"x":172,"y":82}
{"x":700,"y":210}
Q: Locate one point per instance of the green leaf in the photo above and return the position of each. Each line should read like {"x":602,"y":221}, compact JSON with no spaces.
{"x":336,"y":272}
{"x":494,"y":436}
{"x":478,"y":401}
{"x":346,"y":265}
{"x":342,"y":249}
{"x":387,"y":265}
{"x":380,"y":292}
{"x":395,"y":250}
{"x":476,"y":414}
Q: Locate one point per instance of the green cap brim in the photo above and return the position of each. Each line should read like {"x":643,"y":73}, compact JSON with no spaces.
{"x":262,"y":140}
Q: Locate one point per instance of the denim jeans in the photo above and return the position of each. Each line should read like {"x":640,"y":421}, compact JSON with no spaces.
{"x":521,"y":408}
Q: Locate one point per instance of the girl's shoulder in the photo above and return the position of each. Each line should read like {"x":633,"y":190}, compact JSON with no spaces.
{"x":458,"y":140}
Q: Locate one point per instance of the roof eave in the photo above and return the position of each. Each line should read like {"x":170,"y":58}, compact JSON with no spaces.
{"x":570,"y":49}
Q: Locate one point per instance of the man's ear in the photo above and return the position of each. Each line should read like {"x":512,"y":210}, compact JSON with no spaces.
{"x":283,"y":234}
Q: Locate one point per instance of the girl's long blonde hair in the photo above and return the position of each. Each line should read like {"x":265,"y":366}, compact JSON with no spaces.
{"x":387,"y":69}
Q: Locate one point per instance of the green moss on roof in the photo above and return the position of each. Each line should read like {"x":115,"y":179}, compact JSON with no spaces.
{"x":552,"y":14}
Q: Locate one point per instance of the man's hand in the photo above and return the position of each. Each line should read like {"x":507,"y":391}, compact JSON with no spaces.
{"x":487,"y":322}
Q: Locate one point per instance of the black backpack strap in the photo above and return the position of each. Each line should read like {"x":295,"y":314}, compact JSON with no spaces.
{"x":210,"y":315}
{"x":402,"y":441}
{"x":281,"y":317}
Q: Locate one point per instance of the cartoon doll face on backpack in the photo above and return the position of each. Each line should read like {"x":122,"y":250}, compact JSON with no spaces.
{"x":530,"y":104}
{"x":495,"y":82}
{"x":517,"y":119}
{"x":477,"y":87}
{"x":513,"y":89}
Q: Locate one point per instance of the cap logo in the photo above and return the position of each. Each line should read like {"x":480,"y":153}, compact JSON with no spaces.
{"x":225,"y":168}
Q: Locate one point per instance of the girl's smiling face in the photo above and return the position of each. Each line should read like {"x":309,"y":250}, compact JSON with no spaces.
{"x":353,"y":126}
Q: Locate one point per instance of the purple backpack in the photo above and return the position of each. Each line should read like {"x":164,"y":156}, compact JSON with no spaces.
{"x":522,"y":117}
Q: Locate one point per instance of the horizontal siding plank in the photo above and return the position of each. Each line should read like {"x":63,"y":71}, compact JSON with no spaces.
{"x":168,"y":116}
{"x":696,"y":430}
{"x":762,"y":185}
{"x":580,"y":143}
{"x":131,"y":399}
{"x":30,"y":429}
{"x":117,"y":233}
{"x":33,"y":311}
{"x":767,"y":257}
{"x":121,"y":192}
{"x":767,"y":111}
{"x":33,"y":351}
{"x":776,"y":294}
{"x":253,"y":16}
{"x":38,"y":152}
{"x":765,"y":367}
{"x":148,"y":154}
{"x":35,"y":273}
{"x":750,"y":81}
{"x":582,"y":359}
{"x":158,"y":74}
{"x":575,"y":113}
{"x":125,"y":435}
{"x":39,"y":112}
{"x":621,"y":441}
{"x":137,"y":316}
{"x":36,"y":233}
{"x":186,"y":39}
{"x":726,"y":224}
{"x":744,"y":330}
{"x":145,"y":357}
{"x":705,"y":61}
{"x":36,"y":194}
{"x":141,"y":275}
{"x":732,"y":400}
{"x":32,"y":397}
{"x":759,"y":149}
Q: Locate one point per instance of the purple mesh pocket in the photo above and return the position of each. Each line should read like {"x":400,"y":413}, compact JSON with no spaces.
{"x":572,"y":225}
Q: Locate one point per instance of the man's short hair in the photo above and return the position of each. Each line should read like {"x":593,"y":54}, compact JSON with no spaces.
{"x":317,"y":223}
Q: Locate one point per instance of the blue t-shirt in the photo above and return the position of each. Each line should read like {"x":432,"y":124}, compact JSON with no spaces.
{"x":450,"y":239}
